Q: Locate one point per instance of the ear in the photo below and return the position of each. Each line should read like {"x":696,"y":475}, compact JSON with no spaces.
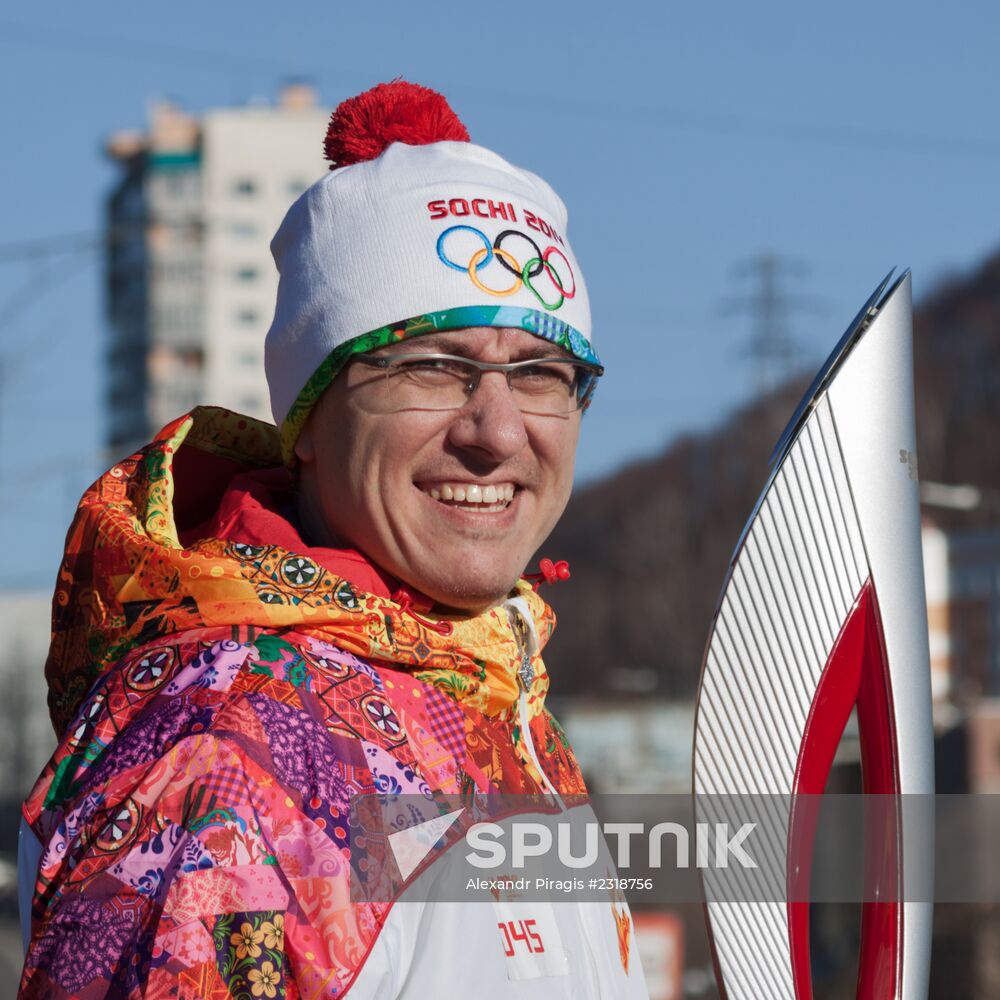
{"x":305,"y":444}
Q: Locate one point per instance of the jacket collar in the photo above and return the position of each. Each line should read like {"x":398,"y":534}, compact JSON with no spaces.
{"x":135,"y":568}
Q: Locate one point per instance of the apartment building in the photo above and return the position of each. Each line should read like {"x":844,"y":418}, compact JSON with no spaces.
{"x":190,"y":280}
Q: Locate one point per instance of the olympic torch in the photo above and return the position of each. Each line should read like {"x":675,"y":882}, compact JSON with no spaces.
{"x":822,"y":611}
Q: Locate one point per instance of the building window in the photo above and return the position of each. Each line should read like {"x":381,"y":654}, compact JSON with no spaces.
{"x":248,"y":317}
{"x":245,"y":186}
{"x":180,"y":270}
{"x":244,"y":229}
{"x":246,"y":273}
{"x":177,"y":318}
{"x":296,"y":186}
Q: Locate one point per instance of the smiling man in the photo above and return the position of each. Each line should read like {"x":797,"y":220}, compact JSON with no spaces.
{"x":447,"y":488}
{"x":254,"y":626}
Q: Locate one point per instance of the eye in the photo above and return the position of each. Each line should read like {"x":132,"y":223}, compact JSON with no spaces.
{"x":545,"y":377}
{"x":432,"y":371}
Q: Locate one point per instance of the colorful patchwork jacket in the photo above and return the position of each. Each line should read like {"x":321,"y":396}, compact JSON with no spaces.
{"x":222,"y":697}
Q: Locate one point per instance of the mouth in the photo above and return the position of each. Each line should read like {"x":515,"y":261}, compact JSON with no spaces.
{"x":477,"y":498}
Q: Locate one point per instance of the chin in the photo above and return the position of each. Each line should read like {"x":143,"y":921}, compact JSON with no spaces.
{"x":474,"y":594}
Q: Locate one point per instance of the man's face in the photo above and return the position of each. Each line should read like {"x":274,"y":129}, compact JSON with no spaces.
{"x":368,"y":476}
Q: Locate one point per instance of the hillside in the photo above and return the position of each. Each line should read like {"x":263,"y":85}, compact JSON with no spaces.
{"x":648,"y":546}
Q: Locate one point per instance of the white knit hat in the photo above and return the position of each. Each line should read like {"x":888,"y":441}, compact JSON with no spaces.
{"x":419,"y":238}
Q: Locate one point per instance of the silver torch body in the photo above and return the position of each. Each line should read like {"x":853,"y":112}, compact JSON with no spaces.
{"x":823,"y":612}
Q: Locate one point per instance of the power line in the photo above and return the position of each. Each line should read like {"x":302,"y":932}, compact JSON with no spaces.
{"x":51,"y":36}
{"x":37,"y":248}
{"x":650,"y":116}
{"x":772,"y":347}
{"x":33,"y":348}
{"x":41,"y":281}
{"x":42,"y":247}
{"x":761,"y":127}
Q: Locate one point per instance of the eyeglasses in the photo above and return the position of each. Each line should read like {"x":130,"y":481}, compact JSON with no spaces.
{"x":545,"y":386}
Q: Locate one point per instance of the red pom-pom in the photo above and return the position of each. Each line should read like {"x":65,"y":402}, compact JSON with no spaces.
{"x":365,"y":126}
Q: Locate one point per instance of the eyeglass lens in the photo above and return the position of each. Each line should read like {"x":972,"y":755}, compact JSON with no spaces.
{"x":444,"y":384}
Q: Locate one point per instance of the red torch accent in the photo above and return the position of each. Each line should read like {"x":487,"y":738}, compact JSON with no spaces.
{"x":856,"y":673}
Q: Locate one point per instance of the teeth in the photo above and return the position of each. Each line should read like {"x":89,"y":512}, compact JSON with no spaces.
{"x":473,"y":496}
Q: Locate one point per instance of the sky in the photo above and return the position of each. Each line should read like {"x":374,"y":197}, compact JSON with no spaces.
{"x":686,"y":140}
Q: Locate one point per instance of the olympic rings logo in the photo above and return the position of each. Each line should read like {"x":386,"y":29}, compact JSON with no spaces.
{"x":562,"y":278}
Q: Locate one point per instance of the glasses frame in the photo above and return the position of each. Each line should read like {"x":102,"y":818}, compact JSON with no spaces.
{"x":386,"y":362}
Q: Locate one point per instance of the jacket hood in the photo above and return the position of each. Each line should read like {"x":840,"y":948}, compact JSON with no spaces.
{"x":137,"y":567}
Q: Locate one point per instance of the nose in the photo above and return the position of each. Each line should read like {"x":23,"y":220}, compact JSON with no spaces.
{"x":490,"y":423}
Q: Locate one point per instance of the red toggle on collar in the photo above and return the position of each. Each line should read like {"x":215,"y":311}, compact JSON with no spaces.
{"x":551,"y":572}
